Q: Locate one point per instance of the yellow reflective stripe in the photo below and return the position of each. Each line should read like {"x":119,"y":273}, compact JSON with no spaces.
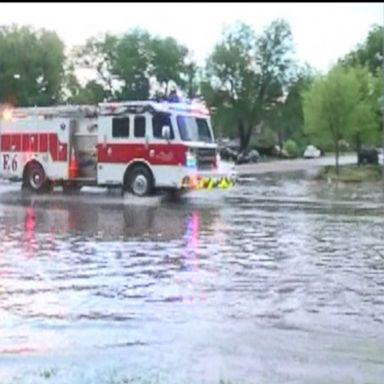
{"x":200,"y":184}
{"x":223,"y":183}
{"x":210,"y":183}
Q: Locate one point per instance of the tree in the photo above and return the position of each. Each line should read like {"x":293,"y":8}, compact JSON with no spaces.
{"x":96,"y":55}
{"x":192,"y":83}
{"x":246,"y":74}
{"x":287,"y":117}
{"x":91,"y":93}
{"x":336,"y":107}
{"x":131,"y":63}
{"x":369,"y":53}
{"x":364,"y":125}
{"x":31,"y":66}
{"x":128,"y":65}
{"x":168,"y":62}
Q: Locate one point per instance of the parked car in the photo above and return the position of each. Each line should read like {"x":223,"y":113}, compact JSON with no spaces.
{"x":381,"y":155}
{"x":229,"y":154}
{"x":368,"y":155}
{"x":252,"y":156}
{"x":311,"y":152}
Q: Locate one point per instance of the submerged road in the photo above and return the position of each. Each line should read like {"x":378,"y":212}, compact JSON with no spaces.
{"x":276,"y":280}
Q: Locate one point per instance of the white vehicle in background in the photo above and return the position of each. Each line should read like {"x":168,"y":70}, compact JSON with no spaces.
{"x":311,"y":152}
{"x":380,"y":153}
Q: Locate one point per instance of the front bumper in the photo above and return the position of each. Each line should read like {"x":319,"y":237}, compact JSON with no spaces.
{"x":209,"y":180}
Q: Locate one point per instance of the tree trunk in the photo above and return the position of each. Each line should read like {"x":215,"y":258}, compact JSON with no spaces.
{"x":358,"y":142}
{"x":190,"y":87}
{"x":248,"y":135}
{"x":337,"y":156}
{"x":240,"y":126}
{"x":244,"y":135}
{"x":280,"y":137}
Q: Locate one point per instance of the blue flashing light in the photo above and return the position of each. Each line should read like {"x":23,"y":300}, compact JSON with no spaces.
{"x":191,"y":163}
{"x":190,"y":160}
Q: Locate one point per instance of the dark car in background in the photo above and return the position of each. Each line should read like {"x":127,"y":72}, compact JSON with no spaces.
{"x":232,"y":153}
{"x":368,"y":155}
{"x":251,"y":156}
{"x":228,"y":154}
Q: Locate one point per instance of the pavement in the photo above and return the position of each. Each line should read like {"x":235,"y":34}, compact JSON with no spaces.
{"x":293,"y":164}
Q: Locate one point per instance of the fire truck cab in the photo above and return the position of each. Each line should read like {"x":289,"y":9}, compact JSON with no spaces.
{"x":140,"y":146}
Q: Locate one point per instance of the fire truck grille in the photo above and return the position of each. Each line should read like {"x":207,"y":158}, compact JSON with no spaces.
{"x":206,"y":157}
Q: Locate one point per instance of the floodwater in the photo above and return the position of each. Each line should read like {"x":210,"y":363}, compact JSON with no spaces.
{"x":278,"y":280}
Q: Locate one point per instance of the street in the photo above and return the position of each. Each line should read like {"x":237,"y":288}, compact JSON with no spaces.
{"x":293,"y":165}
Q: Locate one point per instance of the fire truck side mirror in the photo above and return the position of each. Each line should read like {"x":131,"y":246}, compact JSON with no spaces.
{"x":166,"y":132}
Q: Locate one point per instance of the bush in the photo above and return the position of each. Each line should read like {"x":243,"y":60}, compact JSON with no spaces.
{"x":291,"y":148}
{"x":266,"y":139}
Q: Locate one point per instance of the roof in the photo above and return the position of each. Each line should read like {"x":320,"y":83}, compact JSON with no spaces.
{"x":111,"y":108}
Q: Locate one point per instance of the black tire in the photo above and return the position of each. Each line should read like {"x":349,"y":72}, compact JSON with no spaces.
{"x":35,"y":178}
{"x":139,"y":181}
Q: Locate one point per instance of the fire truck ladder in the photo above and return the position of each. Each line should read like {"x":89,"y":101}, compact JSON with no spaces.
{"x":59,"y":111}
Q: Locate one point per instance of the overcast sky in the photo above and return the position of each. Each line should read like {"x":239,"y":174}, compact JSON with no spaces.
{"x":322,"y":32}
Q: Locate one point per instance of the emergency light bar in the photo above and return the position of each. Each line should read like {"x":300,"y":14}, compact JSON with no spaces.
{"x":151,"y":106}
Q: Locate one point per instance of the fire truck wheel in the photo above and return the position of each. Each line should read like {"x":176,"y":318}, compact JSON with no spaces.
{"x":139,"y":181}
{"x":35,"y":177}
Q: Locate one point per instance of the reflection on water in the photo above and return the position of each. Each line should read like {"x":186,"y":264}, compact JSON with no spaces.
{"x":279,"y":280}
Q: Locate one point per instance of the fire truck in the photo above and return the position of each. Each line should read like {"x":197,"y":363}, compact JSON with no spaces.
{"x":140,"y":146}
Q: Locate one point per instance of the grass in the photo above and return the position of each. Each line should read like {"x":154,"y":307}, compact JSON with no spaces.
{"x":351,"y":173}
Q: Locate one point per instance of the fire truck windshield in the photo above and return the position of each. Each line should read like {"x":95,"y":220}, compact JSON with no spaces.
{"x":194,"y":129}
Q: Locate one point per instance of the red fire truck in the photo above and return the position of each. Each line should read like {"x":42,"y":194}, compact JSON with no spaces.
{"x":140,"y":146}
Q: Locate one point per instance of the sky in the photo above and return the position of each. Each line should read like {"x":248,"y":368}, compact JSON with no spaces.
{"x":322,"y":32}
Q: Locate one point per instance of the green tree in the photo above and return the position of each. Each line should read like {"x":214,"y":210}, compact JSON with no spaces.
{"x":246,"y":74}
{"x":96,"y":55}
{"x":364,"y":125}
{"x":31,"y":66}
{"x":131,"y":64}
{"x":290,"y":118}
{"x":336,"y":107}
{"x":126,"y":65}
{"x":168,"y":62}
{"x":91,"y":93}
{"x":192,"y":80}
{"x":369,"y":53}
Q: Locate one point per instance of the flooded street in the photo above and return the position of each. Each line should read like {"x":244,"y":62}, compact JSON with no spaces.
{"x":280,"y":279}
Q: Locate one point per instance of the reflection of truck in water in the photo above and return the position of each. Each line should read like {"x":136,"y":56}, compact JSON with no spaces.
{"x":137,"y":146}
{"x":106,"y":221}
